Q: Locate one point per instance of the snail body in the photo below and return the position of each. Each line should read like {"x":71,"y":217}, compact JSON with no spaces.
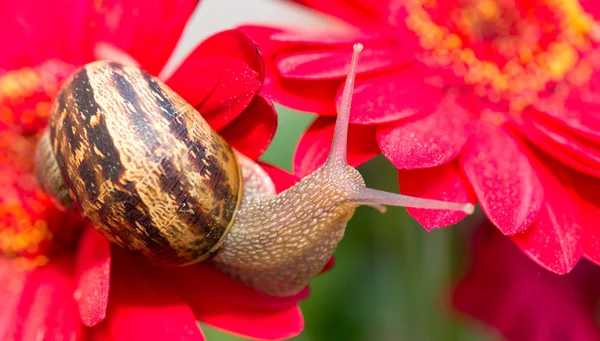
{"x":151,"y":175}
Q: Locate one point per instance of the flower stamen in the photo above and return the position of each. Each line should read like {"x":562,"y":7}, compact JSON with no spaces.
{"x":507,"y":50}
{"x":21,"y":88}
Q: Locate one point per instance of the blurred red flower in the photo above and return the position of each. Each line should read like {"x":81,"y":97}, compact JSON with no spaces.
{"x":56,"y":275}
{"x":484,"y":100}
{"x":523,"y":303}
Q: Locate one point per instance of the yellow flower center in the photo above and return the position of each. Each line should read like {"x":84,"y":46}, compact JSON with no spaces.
{"x":26,"y":93}
{"x":508,"y":49}
{"x":21,"y":236}
{"x":30,"y":226}
{"x":24,"y":231}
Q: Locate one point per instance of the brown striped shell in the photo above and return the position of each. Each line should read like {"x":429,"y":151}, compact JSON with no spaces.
{"x":142,"y":164}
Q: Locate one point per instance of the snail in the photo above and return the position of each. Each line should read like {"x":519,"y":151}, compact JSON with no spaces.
{"x":145,"y":168}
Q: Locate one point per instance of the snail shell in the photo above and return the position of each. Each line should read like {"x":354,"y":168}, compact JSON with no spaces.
{"x":141,"y":163}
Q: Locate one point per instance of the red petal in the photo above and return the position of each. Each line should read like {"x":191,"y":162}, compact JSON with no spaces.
{"x":574,"y":150}
{"x":158,"y":33}
{"x":392,"y":97}
{"x":148,"y":30}
{"x":348,"y":11}
{"x":143,"y":306}
{"x":203,"y":283}
{"x":195,"y":80}
{"x":281,"y":178}
{"x":497,"y":166}
{"x":34,"y":36}
{"x":333,"y":64}
{"x":555,"y":240}
{"x":314,"y":146}
{"x":328,"y":38}
{"x":252,"y":131}
{"x":330,"y":264}
{"x":93,"y":277}
{"x":445,"y":183}
{"x":226,"y":89}
{"x":579,"y":116}
{"x":46,"y":309}
{"x":233,"y":94}
{"x":12,"y":284}
{"x":587,"y":190}
{"x":592,"y":7}
{"x":225,"y":304}
{"x":234,"y":44}
{"x":506,"y":290}
{"x":425,"y":142}
{"x":310,"y":96}
{"x":98,"y":333}
{"x":262,"y":35}
{"x":273,"y":325}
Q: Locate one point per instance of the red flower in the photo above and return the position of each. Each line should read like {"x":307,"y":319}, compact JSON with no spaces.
{"x":506,"y":291}
{"x":481,"y":100}
{"x":57,"y":275}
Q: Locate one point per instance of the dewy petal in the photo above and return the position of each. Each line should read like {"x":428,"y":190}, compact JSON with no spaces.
{"x":46,"y":309}
{"x":196,"y":79}
{"x":392,"y":97}
{"x":445,"y":183}
{"x":310,"y":96}
{"x":143,"y":306}
{"x":313,"y":148}
{"x":506,"y":290}
{"x":231,"y":43}
{"x":235,"y":90}
{"x":252,"y":131}
{"x":226,"y":87}
{"x":148,"y":30}
{"x":507,"y":186}
{"x":93,"y":277}
{"x":556,"y":239}
{"x":428,"y":141}
{"x":334,"y":63}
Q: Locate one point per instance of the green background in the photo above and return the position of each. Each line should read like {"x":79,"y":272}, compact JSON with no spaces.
{"x":392,"y":279}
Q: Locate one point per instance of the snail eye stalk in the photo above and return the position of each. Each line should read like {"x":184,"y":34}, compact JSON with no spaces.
{"x":338,"y":157}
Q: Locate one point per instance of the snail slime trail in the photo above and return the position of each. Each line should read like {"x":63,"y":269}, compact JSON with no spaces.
{"x":132,"y":156}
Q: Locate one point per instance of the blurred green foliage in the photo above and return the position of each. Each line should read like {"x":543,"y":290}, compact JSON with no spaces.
{"x":392,"y":279}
